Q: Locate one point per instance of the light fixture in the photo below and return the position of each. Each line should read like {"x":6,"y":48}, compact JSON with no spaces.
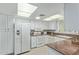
{"x":57,"y":16}
{"x":23,"y":14}
{"x":37,"y":17}
{"x":25,"y":9}
{"x":47,"y":19}
{"x":62,"y":18}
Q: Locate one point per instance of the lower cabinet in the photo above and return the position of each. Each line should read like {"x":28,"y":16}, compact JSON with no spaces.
{"x":33,"y":42}
{"x":38,"y":41}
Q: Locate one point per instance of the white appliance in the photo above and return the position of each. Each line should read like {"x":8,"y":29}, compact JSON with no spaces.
{"x":22,"y":37}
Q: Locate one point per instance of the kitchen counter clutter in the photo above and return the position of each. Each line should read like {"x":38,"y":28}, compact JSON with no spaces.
{"x":65,"y":47}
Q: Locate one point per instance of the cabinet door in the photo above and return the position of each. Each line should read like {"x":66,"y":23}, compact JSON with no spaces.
{"x":10,"y":34}
{"x":46,"y":39}
{"x":39,"y":41}
{"x":4,"y":43}
{"x":6,"y":34}
{"x":43,"y":40}
{"x":3,"y":22}
{"x":3,"y":35}
{"x":33,"y":42}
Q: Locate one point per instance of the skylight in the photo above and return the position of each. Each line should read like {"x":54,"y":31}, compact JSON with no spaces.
{"x":25,"y":9}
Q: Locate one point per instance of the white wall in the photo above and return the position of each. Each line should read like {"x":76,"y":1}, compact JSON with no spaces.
{"x":71,"y":17}
{"x":8,"y":8}
{"x":52,"y":25}
{"x":19,"y":19}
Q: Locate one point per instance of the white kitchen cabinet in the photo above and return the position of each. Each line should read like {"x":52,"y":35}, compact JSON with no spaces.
{"x":58,"y":39}
{"x":3,"y":22}
{"x":6,"y":37}
{"x":40,"y":41}
{"x":3,"y":32}
{"x":51,"y":39}
{"x":3,"y":43}
{"x":33,"y":41}
{"x":48,"y":39}
{"x":10,"y":34}
{"x":44,"y":39}
{"x":37,"y":41}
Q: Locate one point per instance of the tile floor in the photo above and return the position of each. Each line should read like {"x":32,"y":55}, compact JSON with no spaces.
{"x":38,"y":51}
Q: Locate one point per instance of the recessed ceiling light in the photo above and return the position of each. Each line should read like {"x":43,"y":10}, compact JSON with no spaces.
{"x":47,"y":19}
{"x":37,"y":17}
{"x":57,"y":16}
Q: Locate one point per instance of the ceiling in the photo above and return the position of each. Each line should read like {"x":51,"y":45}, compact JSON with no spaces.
{"x":48,"y":9}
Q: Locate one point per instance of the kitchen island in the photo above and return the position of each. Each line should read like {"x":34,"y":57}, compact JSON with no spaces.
{"x":66,"y":47}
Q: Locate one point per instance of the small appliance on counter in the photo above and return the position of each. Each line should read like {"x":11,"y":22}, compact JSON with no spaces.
{"x":33,"y":32}
{"x":49,"y":30}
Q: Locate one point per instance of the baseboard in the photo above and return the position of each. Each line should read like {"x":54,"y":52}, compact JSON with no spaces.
{"x":10,"y":54}
{"x":23,"y":52}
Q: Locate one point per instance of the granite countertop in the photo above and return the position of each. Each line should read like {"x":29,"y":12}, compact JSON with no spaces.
{"x":65,"y":47}
{"x":66,"y":33}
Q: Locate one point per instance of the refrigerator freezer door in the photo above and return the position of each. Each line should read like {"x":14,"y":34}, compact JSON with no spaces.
{"x":17,"y":38}
{"x":25,"y":37}
{"x":22,"y":37}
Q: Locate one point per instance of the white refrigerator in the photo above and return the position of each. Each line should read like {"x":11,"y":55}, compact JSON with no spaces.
{"x":22,"y":38}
